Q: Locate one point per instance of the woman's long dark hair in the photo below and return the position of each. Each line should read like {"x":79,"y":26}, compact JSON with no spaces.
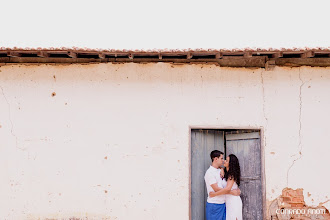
{"x":234,"y":169}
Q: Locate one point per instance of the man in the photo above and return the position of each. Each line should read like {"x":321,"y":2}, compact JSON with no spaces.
{"x":215,"y":206}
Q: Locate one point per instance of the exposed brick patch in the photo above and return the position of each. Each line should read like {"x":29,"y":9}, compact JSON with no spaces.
{"x":291,"y":205}
{"x":292,"y":198}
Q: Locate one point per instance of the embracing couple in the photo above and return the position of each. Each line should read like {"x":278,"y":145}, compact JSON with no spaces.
{"x":223,"y":201}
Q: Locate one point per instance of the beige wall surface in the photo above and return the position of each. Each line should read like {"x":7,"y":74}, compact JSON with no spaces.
{"x":112,"y":140}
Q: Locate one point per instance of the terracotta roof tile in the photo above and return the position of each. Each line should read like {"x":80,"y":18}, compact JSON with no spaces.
{"x":85,"y":49}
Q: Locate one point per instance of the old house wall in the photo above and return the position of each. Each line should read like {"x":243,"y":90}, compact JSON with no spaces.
{"x":112,"y":140}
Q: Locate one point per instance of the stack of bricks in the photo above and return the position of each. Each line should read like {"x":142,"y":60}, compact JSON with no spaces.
{"x":292,"y":198}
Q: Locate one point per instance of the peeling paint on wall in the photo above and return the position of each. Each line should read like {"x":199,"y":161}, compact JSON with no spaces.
{"x":291,"y":205}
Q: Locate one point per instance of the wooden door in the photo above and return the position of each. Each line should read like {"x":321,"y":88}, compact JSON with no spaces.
{"x":202,"y":143}
{"x":246,"y":147}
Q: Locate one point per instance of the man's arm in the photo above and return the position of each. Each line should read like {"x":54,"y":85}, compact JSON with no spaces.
{"x":213,"y":183}
{"x":235,"y":192}
{"x":215,"y":187}
{"x":226,"y":190}
{"x":221,"y":191}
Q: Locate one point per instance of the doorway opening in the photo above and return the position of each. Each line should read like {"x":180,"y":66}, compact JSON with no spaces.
{"x":246,"y":145}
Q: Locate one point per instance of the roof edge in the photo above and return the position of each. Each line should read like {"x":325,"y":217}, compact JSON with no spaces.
{"x":229,"y":58}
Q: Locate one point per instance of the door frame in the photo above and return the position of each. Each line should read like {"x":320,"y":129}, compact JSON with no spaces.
{"x":262,"y":149}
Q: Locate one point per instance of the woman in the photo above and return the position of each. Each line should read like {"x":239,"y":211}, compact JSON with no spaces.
{"x":232,"y":176}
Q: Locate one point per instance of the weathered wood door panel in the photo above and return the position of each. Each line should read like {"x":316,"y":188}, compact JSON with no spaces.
{"x":202,"y":143}
{"x":246,"y":146}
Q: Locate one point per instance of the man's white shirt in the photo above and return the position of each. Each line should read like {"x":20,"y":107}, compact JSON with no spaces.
{"x":212,"y":176}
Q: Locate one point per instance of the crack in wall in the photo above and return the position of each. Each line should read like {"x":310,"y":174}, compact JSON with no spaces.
{"x":11,"y":122}
{"x":299,"y":132}
{"x":263,"y":96}
{"x":322,"y":203}
{"x":264,"y":106}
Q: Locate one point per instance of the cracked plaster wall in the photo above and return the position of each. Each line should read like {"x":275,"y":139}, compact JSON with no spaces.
{"x":99,"y":140}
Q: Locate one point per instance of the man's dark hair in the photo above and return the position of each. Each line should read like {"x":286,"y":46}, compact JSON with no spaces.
{"x":215,"y":153}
